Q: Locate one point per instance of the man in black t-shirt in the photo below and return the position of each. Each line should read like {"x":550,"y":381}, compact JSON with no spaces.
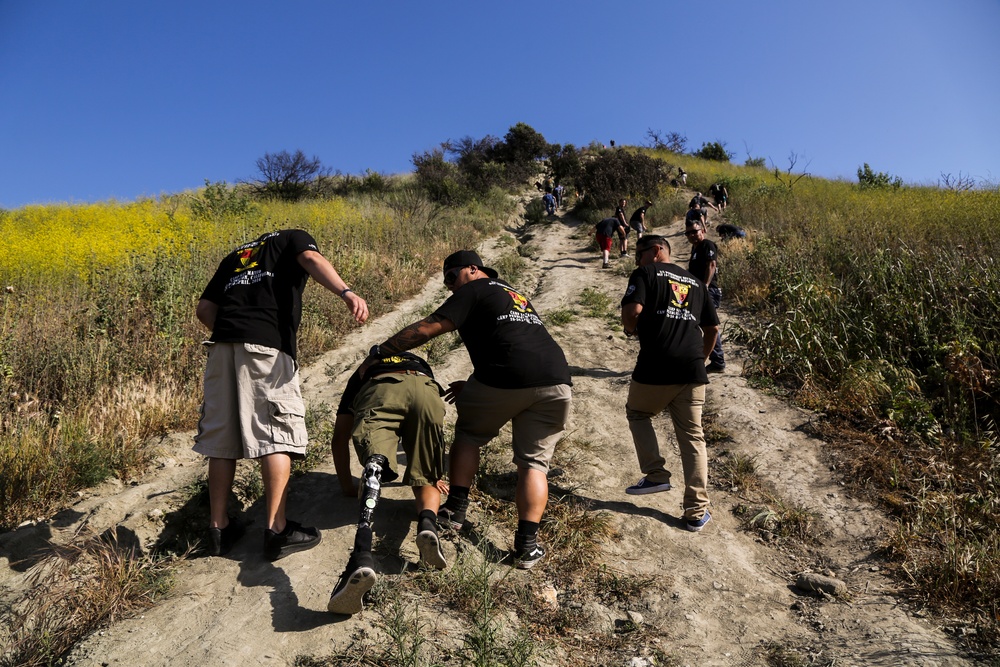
{"x":252,"y":406}
{"x":638,"y":219}
{"x":671,"y":313}
{"x":704,"y":265}
{"x":395,"y":402}
{"x":520,"y":376}
{"x":695,"y":215}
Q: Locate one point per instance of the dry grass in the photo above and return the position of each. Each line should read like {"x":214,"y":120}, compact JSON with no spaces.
{"x":74,"y":591}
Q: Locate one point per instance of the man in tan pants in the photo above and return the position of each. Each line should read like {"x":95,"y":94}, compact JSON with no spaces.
{"x":671,"y":312}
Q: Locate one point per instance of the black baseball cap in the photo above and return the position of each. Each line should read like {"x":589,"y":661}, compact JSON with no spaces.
{"x":467,"y":258}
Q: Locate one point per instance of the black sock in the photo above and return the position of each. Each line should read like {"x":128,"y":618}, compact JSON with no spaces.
{"x":363,"y":538}
{"x":458,"y":498}
{"x":527,"y":529}
{"x":426,"y":520}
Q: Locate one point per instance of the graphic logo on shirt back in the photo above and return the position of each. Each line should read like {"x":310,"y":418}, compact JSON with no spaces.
{"x":520,"y":303}
{"x":248,"y":258}
{"x":680,"y":293}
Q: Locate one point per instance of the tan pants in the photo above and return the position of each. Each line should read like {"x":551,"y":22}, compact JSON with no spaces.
{"x":684,"y":403}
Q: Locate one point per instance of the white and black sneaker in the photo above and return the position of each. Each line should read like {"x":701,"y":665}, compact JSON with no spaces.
{"x":357,"y":579}
{"x":527,"y":552}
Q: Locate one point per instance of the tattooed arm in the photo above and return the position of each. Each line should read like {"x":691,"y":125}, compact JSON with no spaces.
{"x":412,"y":336}
{"x":417,"y":334}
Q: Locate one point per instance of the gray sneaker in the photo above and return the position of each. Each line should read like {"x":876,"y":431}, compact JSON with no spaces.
{"x":358,"y":578}
{"x":430,"y":550}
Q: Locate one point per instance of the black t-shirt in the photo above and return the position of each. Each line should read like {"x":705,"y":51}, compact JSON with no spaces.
{"x":620,"y":214}
{"x":692,"y":216}
{"x":258,"y":289}
{"x":637,"y":217}
{"x":404,"y":361}
{"x":701,"y":201}
{"x":675,"y":305}
{"x":608,"y":226}
{"x":506,"y":340}
{"x":702,"y":255}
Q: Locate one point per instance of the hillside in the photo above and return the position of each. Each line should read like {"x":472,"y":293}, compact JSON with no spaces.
{"x":725,"y":596}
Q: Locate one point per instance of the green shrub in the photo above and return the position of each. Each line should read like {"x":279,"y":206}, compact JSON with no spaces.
{"x":877,"y":180}
{"x":622,"y":174}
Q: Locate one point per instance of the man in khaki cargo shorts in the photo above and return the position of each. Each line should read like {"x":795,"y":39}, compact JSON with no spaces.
{"x":253,"y":407}
{"x":394,"y":401}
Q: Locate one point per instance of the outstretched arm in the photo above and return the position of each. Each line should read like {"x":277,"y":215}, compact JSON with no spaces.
{"x":417,"y":334}
{"x":322,"y":271}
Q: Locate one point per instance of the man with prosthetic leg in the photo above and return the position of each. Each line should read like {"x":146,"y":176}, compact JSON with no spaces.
{"x":390,"y":401}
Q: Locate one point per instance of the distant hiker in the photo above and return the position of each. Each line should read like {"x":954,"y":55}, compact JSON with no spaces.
{"x":253,"y":407}
{"x":549,"y":200}
{"x":720,"y":195}
{"x":623,"y":222}
{"x":704,"y":265}
{"x":695,"y":215}
{"x":520,"y":375}
{"x":727,"y":232}
{"x":638,"y":219}
{"x":702,"y":202}
{"x":682,"y":176}
{"x":396,"y":402}
{"x":671,"y":313}
{"x":558,"y":191}
{"x":548,"y":185}
{"x":606,"y":231}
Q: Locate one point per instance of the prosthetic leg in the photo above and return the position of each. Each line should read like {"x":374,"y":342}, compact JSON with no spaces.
{"x":371,"y":488}
{"x":359,"y":576}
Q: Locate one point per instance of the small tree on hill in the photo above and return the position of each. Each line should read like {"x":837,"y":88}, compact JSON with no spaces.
{"x":287,"y":175}
{"x":565,"y":163}
{"x":714,"y":151}
{"x":521,"y":146}
{"x":675,"y":142}
{"x":877,"y":180}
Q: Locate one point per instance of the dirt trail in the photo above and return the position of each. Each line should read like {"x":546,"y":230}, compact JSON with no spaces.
{"x":725,"y":593}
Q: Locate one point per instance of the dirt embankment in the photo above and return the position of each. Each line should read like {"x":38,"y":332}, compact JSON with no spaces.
{"x":724,"y":596}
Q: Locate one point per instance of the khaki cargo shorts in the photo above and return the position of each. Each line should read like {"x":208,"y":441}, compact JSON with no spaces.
{"x":537,"y":416}
{"x":400,"y":407}
{"x":252,"y":406}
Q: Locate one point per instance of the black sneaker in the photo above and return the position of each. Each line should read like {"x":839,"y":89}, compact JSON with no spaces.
{"x":430,"y":549}
{"x":452,"y":513}
{"x":295,"y":537}
{"x":715,"y":368}
{"x":221,"y":540}
{"x":527,"y":553}
{"x":357,"y":579}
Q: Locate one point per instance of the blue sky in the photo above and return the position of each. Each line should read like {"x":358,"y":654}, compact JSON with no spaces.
{"x":121,"y":99}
